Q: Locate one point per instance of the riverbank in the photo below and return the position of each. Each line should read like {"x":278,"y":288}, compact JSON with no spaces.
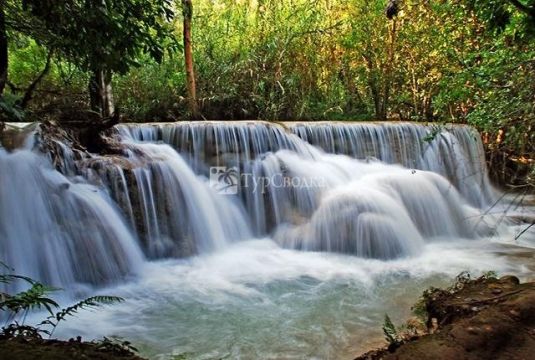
{"x":35,"y":348}
{"x":486,"y":318}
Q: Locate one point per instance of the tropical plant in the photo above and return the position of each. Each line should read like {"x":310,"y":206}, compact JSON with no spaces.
{"x":390,"y":332}
{"x":17,"y":306}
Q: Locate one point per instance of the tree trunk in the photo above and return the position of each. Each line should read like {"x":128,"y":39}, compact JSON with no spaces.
{"x":3,"y":48}
{"x":101,"y":94}
{"x":30,"y":90}
{"x":188,"y":56}
{"x":389,"y":71}
{"x":376,"y":96}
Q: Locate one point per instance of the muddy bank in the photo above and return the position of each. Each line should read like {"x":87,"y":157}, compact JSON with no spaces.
{"x":486,"y":318}
{"x":32,"y":348}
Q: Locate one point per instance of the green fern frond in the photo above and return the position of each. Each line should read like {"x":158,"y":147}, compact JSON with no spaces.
{"x":389,"y":330}
{"x":33,"y":298}
{"x":9,"y":278}
{"x":90,"y":302}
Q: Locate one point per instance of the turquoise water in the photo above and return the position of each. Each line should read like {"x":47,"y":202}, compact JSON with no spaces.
{"x":258,"y":301}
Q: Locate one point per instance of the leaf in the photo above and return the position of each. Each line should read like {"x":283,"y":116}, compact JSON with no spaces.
{"x":390,"y":332}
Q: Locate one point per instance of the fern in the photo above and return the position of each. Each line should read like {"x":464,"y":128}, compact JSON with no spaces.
{"x":116,"y":345}
{"x":91,"y":302}
{"x":32,"y":299}
{"x":36,"y":298}
{"x":9,"y":278}
{"x":390,"y":332}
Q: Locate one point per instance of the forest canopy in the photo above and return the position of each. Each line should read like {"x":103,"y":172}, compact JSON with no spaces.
{"x":464,"y":61}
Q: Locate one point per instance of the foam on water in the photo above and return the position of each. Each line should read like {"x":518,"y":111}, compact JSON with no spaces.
{"x":257,"y":300}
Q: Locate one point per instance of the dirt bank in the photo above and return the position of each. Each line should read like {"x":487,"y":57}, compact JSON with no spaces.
{"x":31,"y":348}
{"x":486,"y":318}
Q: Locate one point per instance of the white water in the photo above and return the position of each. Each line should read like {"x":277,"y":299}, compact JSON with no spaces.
{"x":60,"y":231}
{"x":179,"y":214}
{"x":258,"y":301}
{"x":339,"y":239}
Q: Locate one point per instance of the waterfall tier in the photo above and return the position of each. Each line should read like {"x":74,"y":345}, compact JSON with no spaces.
{"x":377,"y":190}
{"x":58,"y":230}
{"x":454,"y":151}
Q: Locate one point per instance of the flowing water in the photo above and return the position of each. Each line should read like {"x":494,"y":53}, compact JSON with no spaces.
{"x":257,"y":240}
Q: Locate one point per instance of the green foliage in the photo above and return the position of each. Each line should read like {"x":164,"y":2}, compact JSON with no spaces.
{"x":432,"y":135}
{"x":116,"y":345}
{"x":104,"y":35}
{"x":32,"y":299}
{"x":445,"y":61}
{"x":27,"y":59}
{"x":10,"y":109}
{"x":152,"y":92}
{"x":491,"y":274}
{"x":419,"y":309}
{"x":18,"y":305}
{"x":390,"y":332}
{"x":92,"y":302}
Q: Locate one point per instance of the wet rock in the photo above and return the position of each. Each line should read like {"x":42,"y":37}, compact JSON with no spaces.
{"x":510,"y":279}
{"x":14,"y":135}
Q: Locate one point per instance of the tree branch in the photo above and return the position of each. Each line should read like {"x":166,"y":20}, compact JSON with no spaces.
{"x":29,"y":91}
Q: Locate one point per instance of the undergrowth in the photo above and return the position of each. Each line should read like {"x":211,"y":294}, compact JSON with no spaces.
{"x":15,"y":308}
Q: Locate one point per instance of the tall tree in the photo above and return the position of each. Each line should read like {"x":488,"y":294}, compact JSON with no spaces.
{"x":187,"y":10}
{"x":105,"y":37}
{"x":3,"y":48}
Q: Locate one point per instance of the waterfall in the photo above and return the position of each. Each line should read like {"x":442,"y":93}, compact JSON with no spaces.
{"x":455,"y":152}
{"x":174,"y":212}
{"x":376,"y":190}
{"x":257,"y":149}
{"x":58,"y":230}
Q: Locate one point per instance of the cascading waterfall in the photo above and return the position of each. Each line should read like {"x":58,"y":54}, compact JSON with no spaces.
{"x":268,"y":155}
{"x":91,"y":221}
{"x":455,"y":152}
{"x":174,"y":212}
{"x":372,"y":209}
{"x":58,"y":230}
